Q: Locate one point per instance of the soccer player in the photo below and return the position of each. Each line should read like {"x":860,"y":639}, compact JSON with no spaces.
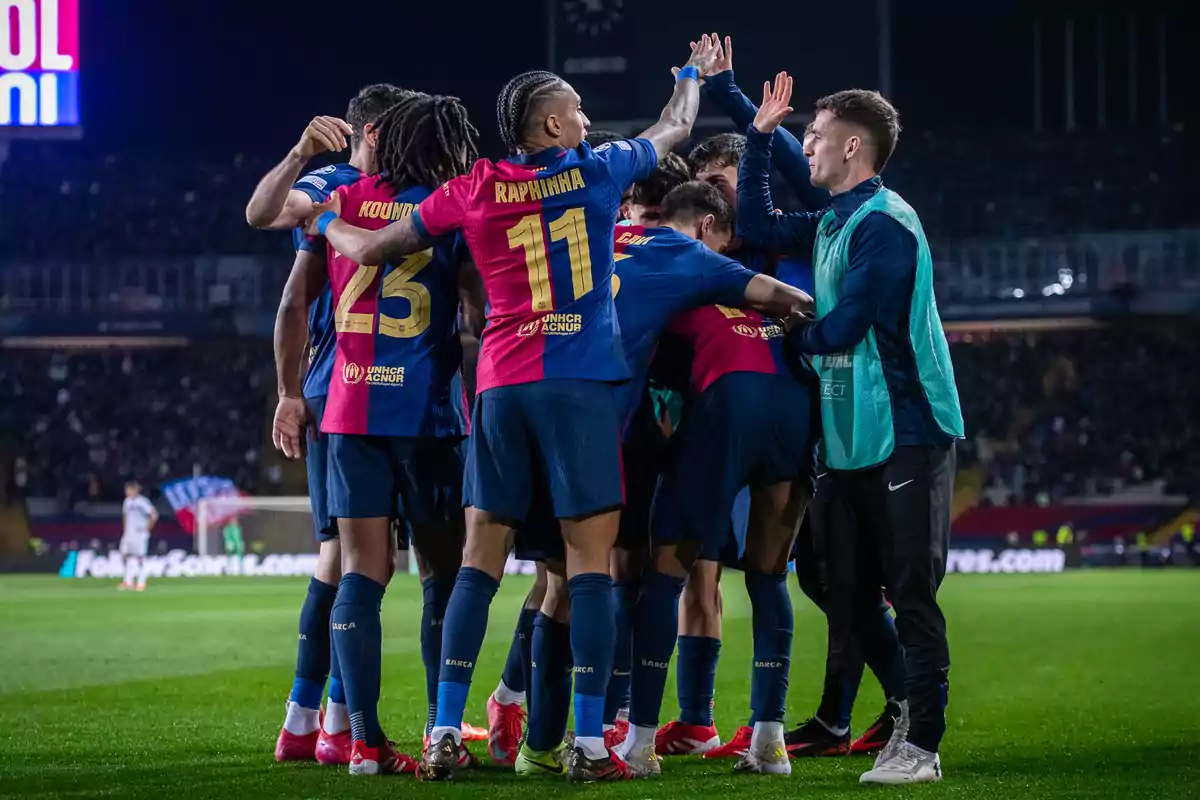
{"x":506,"y":717}
{"x":396,"y":413}
{"x":138,"y":518}
{"x":540,"y":228}
{"x":283,"y":200}
{"x":889,"y":405}
{"x":661,"y":271}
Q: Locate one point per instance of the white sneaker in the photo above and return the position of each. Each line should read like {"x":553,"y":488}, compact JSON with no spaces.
{"x":641,"y":759}
{"x":898,"y":737}
{"x":770,"y":760}
{"x":910,"y":764}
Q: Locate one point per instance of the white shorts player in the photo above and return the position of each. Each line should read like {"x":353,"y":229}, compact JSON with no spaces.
{"x":138,"y":515}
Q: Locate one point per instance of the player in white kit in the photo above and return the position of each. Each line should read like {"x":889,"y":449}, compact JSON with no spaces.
{"x":139,"y":517}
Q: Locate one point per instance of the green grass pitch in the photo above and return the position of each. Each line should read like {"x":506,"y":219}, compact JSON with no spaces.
{"x":1067,"y":686}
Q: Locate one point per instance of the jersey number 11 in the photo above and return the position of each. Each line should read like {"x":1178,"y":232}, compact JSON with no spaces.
{"x":570,"y":227}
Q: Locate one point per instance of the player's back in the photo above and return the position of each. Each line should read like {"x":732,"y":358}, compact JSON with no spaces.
{"x":660,"y":273}
{"x":725,"y":340}
{"x":398,"y":360}
{"x":540,"y":229}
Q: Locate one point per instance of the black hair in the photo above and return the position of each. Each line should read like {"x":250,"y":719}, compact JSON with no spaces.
{"x":517,"y":99}
{"x":720,"y":151}
{"x":425,"y":140}
{"x":672,"y":171}
{"x":696,"y":199}
{"x":597,"y":138}
{"x":368,"y":106}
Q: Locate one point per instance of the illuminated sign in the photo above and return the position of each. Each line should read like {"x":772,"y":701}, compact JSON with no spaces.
{"x":39,"y":63}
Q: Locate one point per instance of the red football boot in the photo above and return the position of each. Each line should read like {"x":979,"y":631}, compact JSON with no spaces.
{"x":735,"y":747}
{"x":506,"y":725}
{"x":382,"y":760}
{"x":680,"y":739}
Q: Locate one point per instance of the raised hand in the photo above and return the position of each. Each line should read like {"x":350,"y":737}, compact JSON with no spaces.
{"x":334,"y":204}
{"x":705,"y":54}
{"x":774,"y":108}
{"x":323,"y":134}
{"x":724,"y":58}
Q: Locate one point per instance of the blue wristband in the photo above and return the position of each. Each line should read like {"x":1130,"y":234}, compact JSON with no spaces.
{"x":324,"y":220}
{"x":688,"y":72}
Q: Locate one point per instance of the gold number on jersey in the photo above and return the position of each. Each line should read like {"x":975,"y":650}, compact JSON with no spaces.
{"x":398,"y":283}
{"x":730,"y":313}
{"x":570,"y":227}
{"x":346,"y":321}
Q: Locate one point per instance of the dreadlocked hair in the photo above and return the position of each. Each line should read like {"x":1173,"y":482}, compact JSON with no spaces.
{"x":425,"y":140}
{"x":515,"y":101}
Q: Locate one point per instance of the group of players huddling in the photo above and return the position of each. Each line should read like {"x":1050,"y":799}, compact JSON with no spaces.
{"x":571,"y":259}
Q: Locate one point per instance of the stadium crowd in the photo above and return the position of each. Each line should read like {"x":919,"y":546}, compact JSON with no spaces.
{"x":1127,"y":180}
{"x":79,"y":424}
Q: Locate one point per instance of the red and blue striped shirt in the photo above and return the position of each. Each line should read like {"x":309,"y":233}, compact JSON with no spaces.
{"x":540,"y":228}
{"x":397,"y":369}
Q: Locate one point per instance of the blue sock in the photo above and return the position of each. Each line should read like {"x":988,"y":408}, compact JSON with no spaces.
{"x":656,"y":620}
{"x":550,"y":687}
{"x":436,"y":594}
{"x":514,"y":675}
{"x":312,"y":650}
{"x":625,"y":598}
{"x":337,"y":691}
{"x":462,"y":637}
{"x":696,"y":678}
{"x":359,"y":638}
{"x":593,"y":630}
{"x":772,"y":620}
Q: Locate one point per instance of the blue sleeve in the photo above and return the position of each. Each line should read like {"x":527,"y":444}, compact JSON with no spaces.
{"x":790,"y":159}
{"x":723,"y":281}
{"x":627,"y":161}
{"x":883,"y":264}
{"x":317,"y":187}
{"x":758,"y":222}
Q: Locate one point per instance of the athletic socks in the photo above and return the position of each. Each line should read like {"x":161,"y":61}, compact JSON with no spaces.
{"x":881,"y":650}
{"x":301,"y":721}
{"x":656,"y":620}
{"x":625,"y":598}
{"x":550,"y":687}
{"x":436,"y":594}
{"x":359,"y":639}
{"x":593,"y":631}
{"x":462,"y":637}
{"x":514,"y":681}
{"x":312,"y":649}
{"x":337,"y":718}
{"x":696,"y":677}
{"x":772,"y":622}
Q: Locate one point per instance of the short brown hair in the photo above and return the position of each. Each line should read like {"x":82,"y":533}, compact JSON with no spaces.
{"x":718,"y":152}
{"x":872,"y":111}
{"x":697,"y":199}
{"x":671,"y":171}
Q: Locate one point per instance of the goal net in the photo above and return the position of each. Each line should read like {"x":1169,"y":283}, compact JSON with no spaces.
{"x":235,"y":526}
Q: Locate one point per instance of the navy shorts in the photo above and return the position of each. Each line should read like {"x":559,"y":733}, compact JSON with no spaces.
{"x":415,"y":479}
{"x":746,"y":430}
{"x":316,"y":462}
{"x":560,"y":435}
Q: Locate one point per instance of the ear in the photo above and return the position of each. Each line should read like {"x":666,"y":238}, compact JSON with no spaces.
{"x":707,"y":223}
{"x":553,"y":126}
{"x":853,"y":145}
{"x":371,"y":134}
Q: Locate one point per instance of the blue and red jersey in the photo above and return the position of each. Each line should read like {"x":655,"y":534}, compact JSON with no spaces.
{"x":397,"y":370}
{"x":540,"y":229}
{"x":726,"y":340}
{"x":661,"y":273}
{"x":318,"y":185}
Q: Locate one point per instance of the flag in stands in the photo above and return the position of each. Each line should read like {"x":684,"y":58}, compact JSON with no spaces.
{"x":183,"y":495}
